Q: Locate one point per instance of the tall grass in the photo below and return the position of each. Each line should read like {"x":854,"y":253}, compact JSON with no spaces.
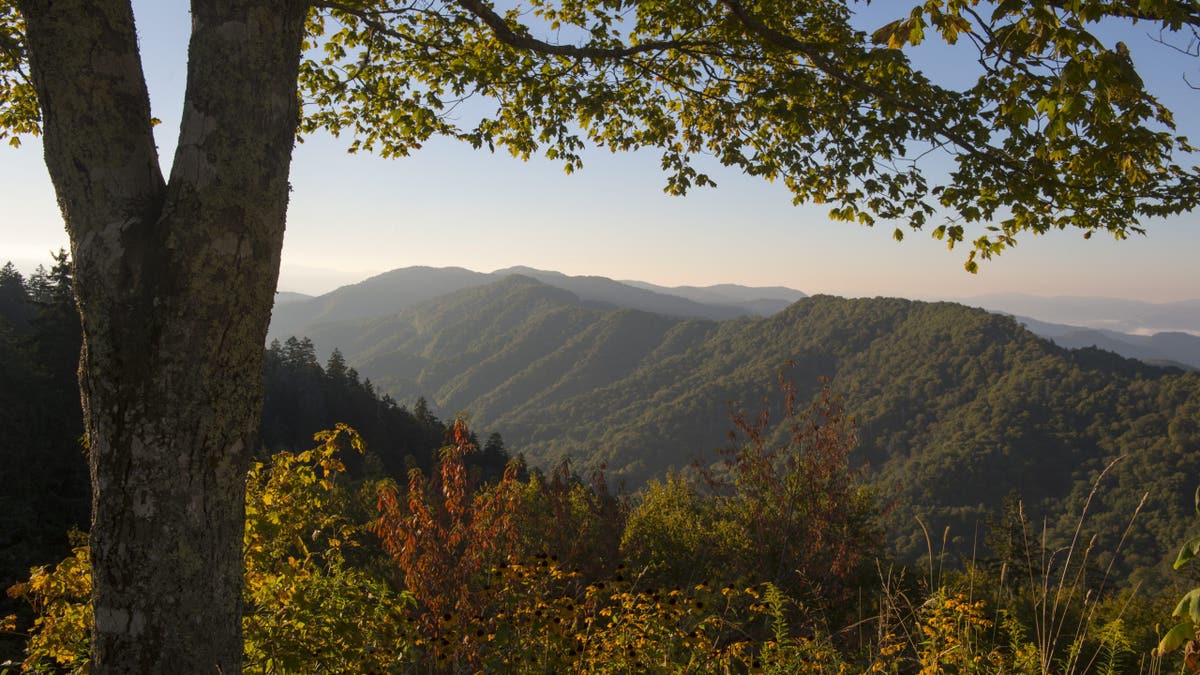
{"x":1056,"y":615}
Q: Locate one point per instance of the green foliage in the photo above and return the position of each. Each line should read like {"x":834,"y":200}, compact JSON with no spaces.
{"x":1058,"y":130}
{"x":1116,"y":649}
{"x":810,"y":523}
{"x":322,"y":595}
{"x":309,"y":608}
{"x":580,"y":523}
{"x":789,"y":514}
{"x":1186,"y":632}
{"x":998,"y":404}
{"x":300,"y":396}
{"x":1189,"y":551}
{"x":44,"y":474}
{"x":61,"y":599}
{"x":972,"y":620}
{"x":43,"y":468}
{"x":310,"y":604}
{"x":675,"y":534}
{"x":19,"y":113}
{"x":546,"y":619}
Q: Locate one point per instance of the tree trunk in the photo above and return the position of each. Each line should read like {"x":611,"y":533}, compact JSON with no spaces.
{"x":175,"y":283}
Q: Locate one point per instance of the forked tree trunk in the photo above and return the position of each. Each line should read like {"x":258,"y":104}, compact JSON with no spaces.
{"x":175,"y":283}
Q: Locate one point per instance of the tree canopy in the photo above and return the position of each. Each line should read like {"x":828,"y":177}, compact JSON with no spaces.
{"x":1057,"y":132}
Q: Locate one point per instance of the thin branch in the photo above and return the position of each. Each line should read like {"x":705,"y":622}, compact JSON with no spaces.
{"x":522,"y":39}
{"x":809,"y":51}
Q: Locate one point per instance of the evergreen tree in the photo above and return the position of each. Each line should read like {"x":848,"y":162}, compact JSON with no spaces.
{"x":335,"y":367}
{"x":14,"y":298}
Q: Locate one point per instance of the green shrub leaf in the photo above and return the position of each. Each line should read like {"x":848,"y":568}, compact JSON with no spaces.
{"x":1189,"y":606}
{"x":1176,"y":637}
{"x":1189,"y":551}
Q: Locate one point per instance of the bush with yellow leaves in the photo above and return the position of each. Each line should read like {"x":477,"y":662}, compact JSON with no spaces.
{"x":308,"y":608}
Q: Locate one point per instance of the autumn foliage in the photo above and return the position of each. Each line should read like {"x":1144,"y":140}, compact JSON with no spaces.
{"x":761,"y":567}
{"x":445,"y":536}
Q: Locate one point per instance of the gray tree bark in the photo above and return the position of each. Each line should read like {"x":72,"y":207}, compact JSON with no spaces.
{"x":175,"y":281}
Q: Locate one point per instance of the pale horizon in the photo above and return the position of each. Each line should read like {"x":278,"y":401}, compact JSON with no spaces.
{"x":317,"y":281}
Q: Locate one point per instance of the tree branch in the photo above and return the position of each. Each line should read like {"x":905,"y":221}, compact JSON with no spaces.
{"x":522,"y":39}
{"x":1189,"y":11}
{"x":789,"y":43}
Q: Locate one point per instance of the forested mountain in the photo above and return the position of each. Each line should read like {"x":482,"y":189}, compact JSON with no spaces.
{"x":399,"y":289}
{"x":768,"y":300}
{"x":961,"y":413}
{"x":959,"y":408}
{"x":381,"y":294}
{"x":391,"y":292}
{"x":618,"y":294}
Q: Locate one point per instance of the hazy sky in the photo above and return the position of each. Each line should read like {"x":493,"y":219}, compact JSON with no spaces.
{"x":353,"y":216}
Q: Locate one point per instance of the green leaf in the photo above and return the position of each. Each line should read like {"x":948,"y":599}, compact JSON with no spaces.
{"x":1189,"y":551}
{"x":1189,"y":606}
{"x":886,"y":33}
{"x":916,"y":33}
{"x":1198,"y":500}
{"x":1176,"y":637}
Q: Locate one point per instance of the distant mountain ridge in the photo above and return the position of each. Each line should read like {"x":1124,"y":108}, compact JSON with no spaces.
{"x":393,"y":291}
{"x":379,"y":295}
{"x":1113,"y":314}
{"x":288,"y":297}
{"x":958,"y":407}
{"x":1177,"y":349}
{"x":618,"y":294}
{"x":768,"y":300}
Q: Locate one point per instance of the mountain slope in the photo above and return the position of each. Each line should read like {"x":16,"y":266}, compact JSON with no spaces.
{"x":619,"y":294}
{"x":391,"y":292}
{"x":516,"y":335}
{"x":288,"y":297}
{"x":958,"y":408}
{"x":388,"y":293}
{"x":382,"y":294}
{"x":761,"y":301}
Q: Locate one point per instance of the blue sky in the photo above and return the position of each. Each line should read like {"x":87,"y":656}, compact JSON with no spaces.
{"x":353,"y":216}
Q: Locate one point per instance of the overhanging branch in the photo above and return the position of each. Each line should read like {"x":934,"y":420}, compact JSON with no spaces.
{"x":522,"y":40}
